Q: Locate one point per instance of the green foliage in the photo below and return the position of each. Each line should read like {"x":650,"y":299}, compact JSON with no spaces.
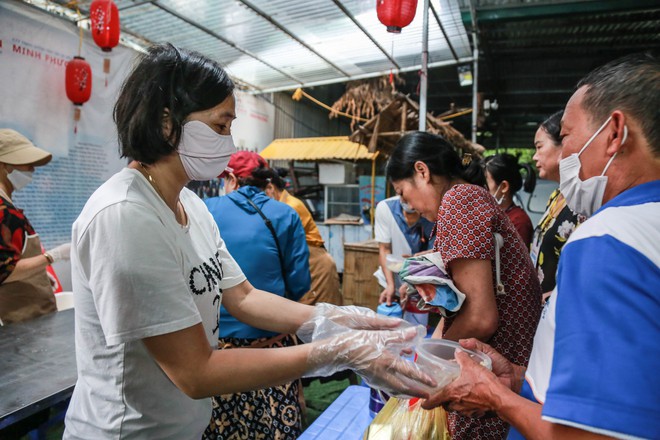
{"x":524,"y":154}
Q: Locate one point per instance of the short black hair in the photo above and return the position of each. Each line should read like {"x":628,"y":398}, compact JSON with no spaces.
{"x":552,"y":126}
{"x":630,"y":84}
{"x":278,"y":177}
{"x":166,"y":77}
{"x":437,"y":153}
{"x":505,"y":166}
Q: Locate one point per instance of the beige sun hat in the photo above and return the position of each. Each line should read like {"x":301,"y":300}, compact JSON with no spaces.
{"x":16,"y":149}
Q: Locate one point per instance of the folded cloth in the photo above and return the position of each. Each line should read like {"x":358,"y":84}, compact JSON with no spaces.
{"x":427,"y":274}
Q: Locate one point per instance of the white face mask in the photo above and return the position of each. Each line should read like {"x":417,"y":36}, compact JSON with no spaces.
{"x":20,"y":178}
{"x":407,"y":208}
{"x":501,"y":199}
{"x":584,"y":197}
{"x":203,"y":152}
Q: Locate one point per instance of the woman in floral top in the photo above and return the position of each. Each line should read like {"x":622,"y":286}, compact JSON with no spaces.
{"x":426,"y":173}
{"x":558,"y":222}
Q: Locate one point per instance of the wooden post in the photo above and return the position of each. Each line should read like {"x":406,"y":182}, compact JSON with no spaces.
{"x":294,"y":178}
{"x":372,"y":210}
{"x":404,"y":117}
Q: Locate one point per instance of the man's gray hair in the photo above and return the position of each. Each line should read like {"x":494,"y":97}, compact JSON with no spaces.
{"x":630,"y":84}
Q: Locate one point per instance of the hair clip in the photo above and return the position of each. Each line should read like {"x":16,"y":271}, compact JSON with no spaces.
{"x":467,"y":159}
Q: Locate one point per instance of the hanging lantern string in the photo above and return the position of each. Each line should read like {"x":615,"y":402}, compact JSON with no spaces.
{"x":74,"y":4}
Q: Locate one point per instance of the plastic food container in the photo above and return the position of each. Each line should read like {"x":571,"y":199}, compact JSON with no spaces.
{"x":394,"y":263}
{"x":436,"y":358}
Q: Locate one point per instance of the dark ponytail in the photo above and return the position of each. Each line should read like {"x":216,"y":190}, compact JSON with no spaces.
{"x":530,"y":178}
{"x":437,"y":153}
{"x":552,"y":126}
{"x":504,"y":166}
{"x":260,"y":177}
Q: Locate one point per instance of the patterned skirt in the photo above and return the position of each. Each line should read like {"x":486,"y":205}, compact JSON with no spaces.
{"x":270,"y":413}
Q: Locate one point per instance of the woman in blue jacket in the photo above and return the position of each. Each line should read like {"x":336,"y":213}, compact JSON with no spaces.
{"x":275,"y":265}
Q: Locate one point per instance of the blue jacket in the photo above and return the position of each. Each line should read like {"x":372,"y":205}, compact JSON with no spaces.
{"x":253,"y":247}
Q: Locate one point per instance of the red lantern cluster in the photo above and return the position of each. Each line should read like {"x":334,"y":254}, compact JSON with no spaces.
{"x":396,"y":14}
{"x":78,"y":80}
{"x":105,"y":24}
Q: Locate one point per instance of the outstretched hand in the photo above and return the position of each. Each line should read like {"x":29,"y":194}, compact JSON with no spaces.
{"x":374,"y":355}
{"x":477,"y":389}
{"x":508,"y":373}
{"x":329,"y":319}
{"x":61,"y":252}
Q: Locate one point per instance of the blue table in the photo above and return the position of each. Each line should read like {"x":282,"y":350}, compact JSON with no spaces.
{"x":345,"y":419}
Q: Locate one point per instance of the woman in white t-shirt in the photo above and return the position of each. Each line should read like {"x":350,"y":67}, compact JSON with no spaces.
{"x":149,"y":271}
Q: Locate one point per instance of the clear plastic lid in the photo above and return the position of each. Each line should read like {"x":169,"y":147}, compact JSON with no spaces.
{"x":436,"y":358}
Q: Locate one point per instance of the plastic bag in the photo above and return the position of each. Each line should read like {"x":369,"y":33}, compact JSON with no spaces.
{"x":405,"y":419}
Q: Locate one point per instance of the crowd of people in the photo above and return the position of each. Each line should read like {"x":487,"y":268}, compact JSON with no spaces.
{"x":198,"y":318}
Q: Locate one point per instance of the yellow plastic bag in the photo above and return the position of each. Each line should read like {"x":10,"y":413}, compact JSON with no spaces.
{"x":405,"y":419}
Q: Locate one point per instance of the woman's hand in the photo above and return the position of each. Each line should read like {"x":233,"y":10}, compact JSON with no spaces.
{"x":374,"y":355}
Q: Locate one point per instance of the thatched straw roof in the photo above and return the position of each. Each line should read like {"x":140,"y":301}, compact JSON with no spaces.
{"x":382,"y":131}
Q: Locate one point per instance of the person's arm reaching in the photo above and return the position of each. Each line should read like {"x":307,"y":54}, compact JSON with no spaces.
{"x":264,"y":310}
{"x":387,"y":295}
{"x":28,"y":267}
{"x":199,"y":371}
{"x":478,"y":391}
{"x":478,"y":317}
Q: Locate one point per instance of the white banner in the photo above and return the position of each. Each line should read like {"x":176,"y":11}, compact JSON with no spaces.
{"x":34,"y":50}
{"x":254,"y":127}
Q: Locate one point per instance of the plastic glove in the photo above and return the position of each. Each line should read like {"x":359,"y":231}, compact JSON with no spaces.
{"x":330,"y":320}
{"x":374,"y":355}
{"x":61,"y":252}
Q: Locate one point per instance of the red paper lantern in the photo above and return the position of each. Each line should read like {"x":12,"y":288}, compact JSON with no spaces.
{"x":78,"y":80}
{"x":396,"y":14}
{"x":105,"y":24}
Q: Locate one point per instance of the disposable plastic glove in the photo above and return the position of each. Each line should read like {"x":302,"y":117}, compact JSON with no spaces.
{"x":374,"y":355}
{"x":329,"y":320}
{"x":61,"y":252}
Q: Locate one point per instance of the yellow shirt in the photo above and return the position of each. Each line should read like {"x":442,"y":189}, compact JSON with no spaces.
{"x":312,"y":234}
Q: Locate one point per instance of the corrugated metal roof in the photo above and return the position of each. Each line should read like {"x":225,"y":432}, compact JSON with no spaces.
{"x":316,"y":148}
{"x":272,"y":45}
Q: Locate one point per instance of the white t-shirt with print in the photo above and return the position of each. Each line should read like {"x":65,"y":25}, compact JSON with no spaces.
{"x":137,"y":273}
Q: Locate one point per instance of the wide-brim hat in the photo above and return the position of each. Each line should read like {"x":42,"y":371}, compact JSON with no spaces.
{"x":16,"y":149}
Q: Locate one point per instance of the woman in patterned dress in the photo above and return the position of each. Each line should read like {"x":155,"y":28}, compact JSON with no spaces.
{"x":428,"y":174}
{"x":558,"y":221}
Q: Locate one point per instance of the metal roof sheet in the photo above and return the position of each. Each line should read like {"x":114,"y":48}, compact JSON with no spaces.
{"x":272,"y":45}
{"x":316,"y":148}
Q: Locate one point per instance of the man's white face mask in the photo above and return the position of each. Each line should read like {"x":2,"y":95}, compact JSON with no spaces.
{"x":584,"y":197}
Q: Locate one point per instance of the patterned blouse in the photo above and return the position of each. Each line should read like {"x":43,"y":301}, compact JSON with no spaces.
{"x":467,"y":220}
{"x":550,"y":235}
{"x":14,"y":227}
